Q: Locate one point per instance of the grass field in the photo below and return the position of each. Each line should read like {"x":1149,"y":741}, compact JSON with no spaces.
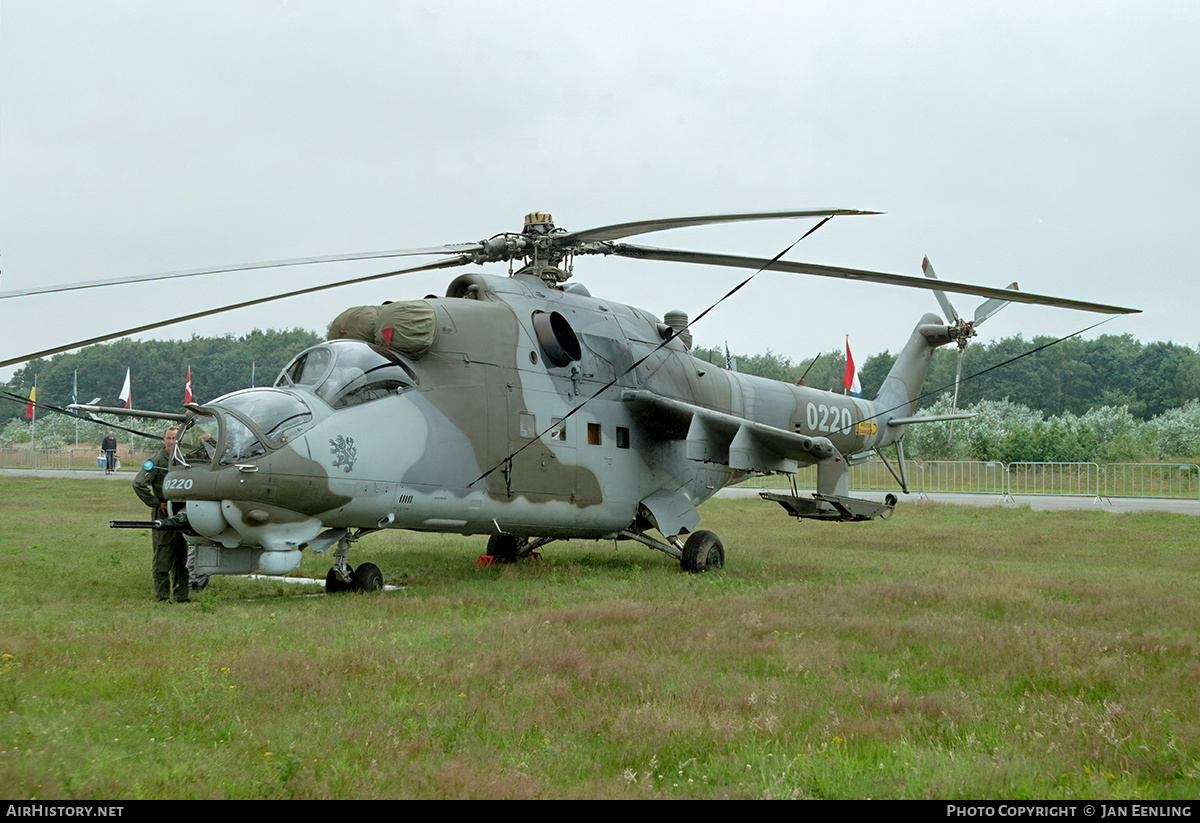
{"x":946,"y":653}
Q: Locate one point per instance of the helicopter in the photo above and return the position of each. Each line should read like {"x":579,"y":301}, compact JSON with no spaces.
{"x":522,"y":408}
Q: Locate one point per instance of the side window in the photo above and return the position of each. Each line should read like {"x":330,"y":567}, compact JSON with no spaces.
{"x":528,"y":425}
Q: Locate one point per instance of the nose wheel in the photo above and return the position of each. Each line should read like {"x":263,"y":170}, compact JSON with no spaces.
{"x":366,"y":578}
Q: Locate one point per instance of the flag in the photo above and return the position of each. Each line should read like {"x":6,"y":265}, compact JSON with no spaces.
{"x":126,"y":395}
{"x":730,"y":361}
{"x":850,"y":379}
{"x":32,"y":399}
{"x":187,"y":388}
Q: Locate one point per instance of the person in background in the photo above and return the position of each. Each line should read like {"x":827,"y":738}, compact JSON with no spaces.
{"x":109,"y":448}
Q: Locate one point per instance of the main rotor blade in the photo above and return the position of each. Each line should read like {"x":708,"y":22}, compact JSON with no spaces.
{"x":449,"y":262}
{"x":708,"y":258}
{"x":270,"y":264}
{"x":619,"y":230}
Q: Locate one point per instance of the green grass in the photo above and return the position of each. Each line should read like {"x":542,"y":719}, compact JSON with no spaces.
{"x":947,"y":653}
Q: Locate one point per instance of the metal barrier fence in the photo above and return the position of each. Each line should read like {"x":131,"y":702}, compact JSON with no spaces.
{"x":957,"y":477}
{"x":1163,"y":480}
{"x":75,"y":458}
{"x":1152,"y":480}
{"x":1055,"y":478}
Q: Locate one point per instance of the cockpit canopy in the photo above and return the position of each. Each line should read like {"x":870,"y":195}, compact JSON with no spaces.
{"x":245,"y":424}
{"x":348,"y":372}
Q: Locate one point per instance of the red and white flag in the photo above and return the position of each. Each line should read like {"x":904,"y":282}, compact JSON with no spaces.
{"x":850,"y":379}
{"x":126,"y":395}
{"x":187,"y":388}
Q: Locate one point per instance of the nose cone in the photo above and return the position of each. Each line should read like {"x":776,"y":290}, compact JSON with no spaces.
{"x":206,"y":518}
{"x":272,"y":527}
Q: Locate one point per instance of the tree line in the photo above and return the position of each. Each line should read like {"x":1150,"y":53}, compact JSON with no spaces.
{"x":1113,"y":397}
{"x":1074,"y":376}
{"x":158,"y":370}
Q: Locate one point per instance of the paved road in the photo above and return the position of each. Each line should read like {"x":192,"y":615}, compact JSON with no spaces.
{"x":1059,"y":502}
{"x":1035,"y":501}
{"x":75,"y":474}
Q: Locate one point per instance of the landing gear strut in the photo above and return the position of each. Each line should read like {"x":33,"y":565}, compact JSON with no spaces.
{"x":702,"y":552}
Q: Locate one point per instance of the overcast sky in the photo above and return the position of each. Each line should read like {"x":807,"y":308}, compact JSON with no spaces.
{"x":1050,"y":143}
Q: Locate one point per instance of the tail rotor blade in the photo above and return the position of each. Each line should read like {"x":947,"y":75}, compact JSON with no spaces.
{"x":989,"y":307}
{"x":943,"y":300}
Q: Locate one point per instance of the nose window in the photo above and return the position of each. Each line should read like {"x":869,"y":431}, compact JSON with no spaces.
{"x":198,"y":441}
{"x":276,"y":414}
{"x":240,"y":442}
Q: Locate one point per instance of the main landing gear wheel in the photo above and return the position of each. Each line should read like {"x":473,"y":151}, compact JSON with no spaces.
{"x":702,"y":552}
{"x":502,"y":548}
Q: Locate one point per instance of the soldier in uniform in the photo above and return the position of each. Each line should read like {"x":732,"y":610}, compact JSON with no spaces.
{"x":169,"y":565}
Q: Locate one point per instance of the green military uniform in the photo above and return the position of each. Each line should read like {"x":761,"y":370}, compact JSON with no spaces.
{"x":169,"y":564}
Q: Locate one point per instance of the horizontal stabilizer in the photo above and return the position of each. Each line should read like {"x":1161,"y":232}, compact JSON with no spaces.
{"x":933,"y":418}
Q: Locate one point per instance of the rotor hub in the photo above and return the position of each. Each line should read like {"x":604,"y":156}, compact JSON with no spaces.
{"x":547,"y":255}
{"x":961,"y":331}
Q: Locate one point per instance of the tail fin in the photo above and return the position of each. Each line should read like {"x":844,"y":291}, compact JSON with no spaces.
{"x":899,"y":392}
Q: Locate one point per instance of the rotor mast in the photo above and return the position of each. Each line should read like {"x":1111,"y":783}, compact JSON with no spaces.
{"x":546,"y":255}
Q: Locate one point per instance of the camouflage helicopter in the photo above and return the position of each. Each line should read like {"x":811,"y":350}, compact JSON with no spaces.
{"x":523,"y":408}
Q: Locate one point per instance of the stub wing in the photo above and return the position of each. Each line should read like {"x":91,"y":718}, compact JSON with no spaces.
{"x":717,"y":437}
